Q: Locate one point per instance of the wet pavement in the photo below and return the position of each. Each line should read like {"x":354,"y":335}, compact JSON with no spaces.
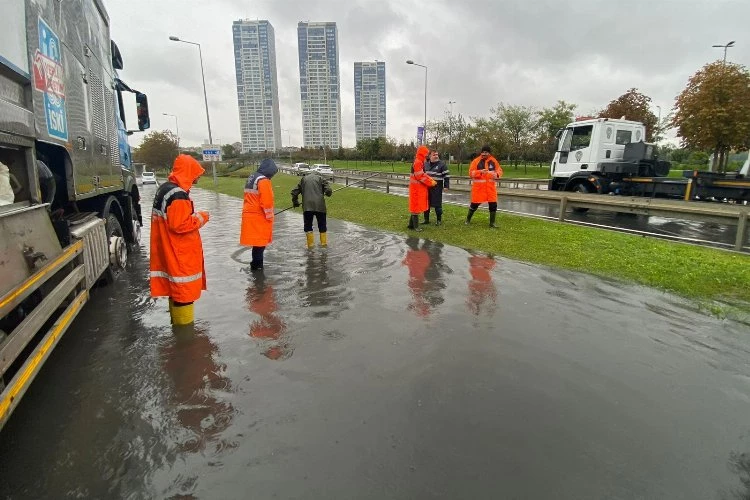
{"x":384,"y":367}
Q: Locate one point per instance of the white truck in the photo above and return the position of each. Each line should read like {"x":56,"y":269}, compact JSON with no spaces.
{"x":69,"y":201}
{"x":607,"y":156}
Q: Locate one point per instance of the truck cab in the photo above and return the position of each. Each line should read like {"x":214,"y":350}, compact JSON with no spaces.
{"x":592,"y":152}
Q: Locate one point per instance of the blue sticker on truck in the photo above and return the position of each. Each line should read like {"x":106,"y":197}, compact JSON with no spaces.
{"x":49,"y":79}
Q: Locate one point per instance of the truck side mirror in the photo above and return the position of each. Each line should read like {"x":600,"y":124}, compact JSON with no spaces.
{"x":144,"y":121}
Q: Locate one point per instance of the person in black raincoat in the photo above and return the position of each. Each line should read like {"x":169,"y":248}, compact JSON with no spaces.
{"x":436,"y":168}
{"x":313,"y":187}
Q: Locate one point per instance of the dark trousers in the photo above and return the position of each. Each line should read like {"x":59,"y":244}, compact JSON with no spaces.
{"x":308,"y":218}
{"x":492,"y":205}
{"x":257,"y":261}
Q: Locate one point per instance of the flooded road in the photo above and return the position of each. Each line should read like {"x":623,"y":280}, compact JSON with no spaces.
{"x":384,"y":367}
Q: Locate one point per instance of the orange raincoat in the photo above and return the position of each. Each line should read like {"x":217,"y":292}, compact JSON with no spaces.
{"x":177,"y":268}
{"x":483,"y":175}
{"x":257,"y":209}
{"x":419,"y":183}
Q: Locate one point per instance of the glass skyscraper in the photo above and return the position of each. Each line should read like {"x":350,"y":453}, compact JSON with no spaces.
{"x":257,"y":86}
{"x":319,"y":84}
{"x":369,"y":99}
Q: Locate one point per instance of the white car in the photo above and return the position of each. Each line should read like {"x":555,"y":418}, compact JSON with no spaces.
{"x":323,"y":169}
{"x":148,"y":178}
{"x":303,"y":169}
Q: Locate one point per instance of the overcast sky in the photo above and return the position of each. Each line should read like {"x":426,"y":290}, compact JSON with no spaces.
{"x":479,"y":53}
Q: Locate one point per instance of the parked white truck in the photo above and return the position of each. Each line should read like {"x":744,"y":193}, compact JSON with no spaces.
{"x":607,"y":156}
{"x":69,"y":204}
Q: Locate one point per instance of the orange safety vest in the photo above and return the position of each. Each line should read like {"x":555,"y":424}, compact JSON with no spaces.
{"x":483,"y":185}
{"x":176,"y":262}
{"x":419,"y":183}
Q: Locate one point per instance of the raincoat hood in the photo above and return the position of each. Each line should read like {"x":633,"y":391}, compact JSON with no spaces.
{"x":185,"y":171}
{"x":268,"y":168}
{"x":422,"y":153}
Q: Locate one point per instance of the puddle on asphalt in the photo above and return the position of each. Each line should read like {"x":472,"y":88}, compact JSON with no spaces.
{"x":384,"y":366}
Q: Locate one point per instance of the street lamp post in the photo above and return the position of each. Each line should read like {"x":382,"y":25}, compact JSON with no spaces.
{"x":658,"y":125}
{"x":176,"y":126}
{"x":288,"y":144}
{"x":424,"y":129}
{"x":721,"y":90}
{"x":205,"y":98}
{"x":725,"y":47}
{"x":450,"y":128}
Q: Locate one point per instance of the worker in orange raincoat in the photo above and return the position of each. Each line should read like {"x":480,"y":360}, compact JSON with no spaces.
{"x":419,"y":184}
{"x":177,"y":268}
{"x":484,"y":172}
{"x":257,"y":212}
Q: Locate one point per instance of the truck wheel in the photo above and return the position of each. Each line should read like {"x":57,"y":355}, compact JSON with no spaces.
{"x":118,"y":249}
{"x":581,"y":188}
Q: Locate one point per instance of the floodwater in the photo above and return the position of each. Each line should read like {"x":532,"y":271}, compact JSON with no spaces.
{"x":384,"y":367}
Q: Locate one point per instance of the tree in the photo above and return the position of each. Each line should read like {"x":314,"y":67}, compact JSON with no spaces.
{"x":229,"y":151}
{"x":519,"y":122}
{"x":635,"y":106}
{"x":553,"y":119}
{"x":713,"y":112}
{"x":157,"y":150}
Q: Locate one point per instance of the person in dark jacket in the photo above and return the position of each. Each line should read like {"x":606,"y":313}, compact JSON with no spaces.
{"x":436,"y":169}
{"x":312,"y":187}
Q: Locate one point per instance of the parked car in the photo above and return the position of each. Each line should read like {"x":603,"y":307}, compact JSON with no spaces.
{"x":323,"y":169}
{"x":148,"y":178}
{"x":302,"y":168}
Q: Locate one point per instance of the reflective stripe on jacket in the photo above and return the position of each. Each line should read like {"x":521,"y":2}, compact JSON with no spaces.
{"x":483,"y":179}
{"x":439,"y":172}
{"x":176,"y":261}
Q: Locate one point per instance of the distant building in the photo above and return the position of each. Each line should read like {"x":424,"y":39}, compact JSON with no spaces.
{"x":319,"y":84}
{"x":369,"y":100}
{"x":257,"y":85}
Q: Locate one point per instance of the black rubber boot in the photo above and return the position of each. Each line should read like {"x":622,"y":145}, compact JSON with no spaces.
{"x":415,"y":223}
{"x":469,"y":216}
{"x":411,"y":222}
{"x":426,"y":217}
{"x":492,"y":220}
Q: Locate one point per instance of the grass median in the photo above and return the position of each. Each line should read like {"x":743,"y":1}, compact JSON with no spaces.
{"x":719,"y":280}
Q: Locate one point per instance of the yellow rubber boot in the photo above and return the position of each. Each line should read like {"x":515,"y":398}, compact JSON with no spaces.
{"x":181,"y":315}
{"x":310,"y":239}
{"x":324,"y":239}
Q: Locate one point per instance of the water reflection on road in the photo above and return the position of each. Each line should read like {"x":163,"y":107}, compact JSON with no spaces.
{"x":384,"y":367}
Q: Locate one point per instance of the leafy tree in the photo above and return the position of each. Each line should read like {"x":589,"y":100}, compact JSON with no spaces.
{"x":519,"y":122}
{"x":633,"y":105}
{"x":229,"y":151}
{"x":157,"y":150}
{"x":713,"y":112}
{"x":550,"y":120}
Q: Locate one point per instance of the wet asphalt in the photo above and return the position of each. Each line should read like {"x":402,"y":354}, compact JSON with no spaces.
{"x":384,"y":367}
